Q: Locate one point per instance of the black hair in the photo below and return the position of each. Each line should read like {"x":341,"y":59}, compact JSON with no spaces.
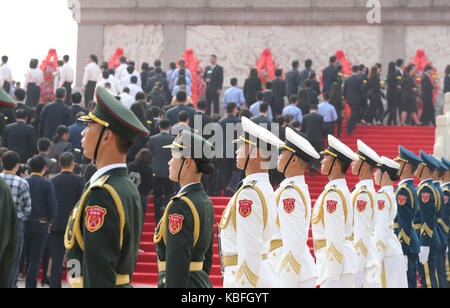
{"x":133,"y":79}
{"x":122,"y":59}
{"x":5,"y":59}
{"x":155,"y":111}
{"x":173,"y":65}
{"x":308,"y":63}
{"x":145,"y":66}
{"x":296,"y":124}
{"x":43,"y":144}
{"x":326,"y":95}
{"x":130,"y":69}
{"x":399,"y":62}
{"x":355,"y":68}
{"x":158,"y":70}
{"x":60,"y":131}
{"x":9,"y":160}
{"x":204,"y":166}
{"x":66,"y":58}
{"x":66,"y":159}
{"x":20,"y":94}
{"x":263,"y":107}
{"x":295,"y":64}
{"x":140,"y":96}
{"x":254,"y":73}
{"x":333,"y":59}
{"x":164,"y":124}
{"x":201,"y":105}
{"x":234,"y":81}
{"x":21,"y":114}
{"x":230,"y":107}
{"x":34,"y":63}
{"x":60,"y":63}
{"x":157,"y":63}
{"x":269,"y":85}
{"x":126,"y":90}
{"x":60,"y":93}
{"x":259,"y":96}
{"x":37,"y":163}
{"x":183,"y":116}
{"x":308,"y":83}
{"x":293,"y":99}
{"x":105,"y":74}
{"x":181,"y":96}
{"x":144,"y":156}
{"x":278,"y":72}
{"x":94,"y":58}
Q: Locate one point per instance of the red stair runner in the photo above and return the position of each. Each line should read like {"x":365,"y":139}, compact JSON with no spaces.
{"x":383,"y":139}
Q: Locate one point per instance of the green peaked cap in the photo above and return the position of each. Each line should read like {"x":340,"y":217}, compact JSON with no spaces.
{"x":111,"y":113}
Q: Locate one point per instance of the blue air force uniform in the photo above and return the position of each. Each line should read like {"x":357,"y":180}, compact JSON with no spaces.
{"x":428,"y":200}
{"x":406,"y":197}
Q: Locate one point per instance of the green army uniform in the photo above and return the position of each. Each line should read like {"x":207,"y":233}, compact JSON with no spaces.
{"x":185,"y":235}
{"x":9,"y":222}
{"x":104,"y":230}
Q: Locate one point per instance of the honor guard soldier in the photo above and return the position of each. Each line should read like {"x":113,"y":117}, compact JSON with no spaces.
{"x":388,"y":246}
{"x":185,"y":235}
{"x":406,"y":197}
{"x":363,"y":203}
{"x":104,"y":230}
{"x":442,"y":227}
{"x":248,"y":221}
{"x":297,"y":268}
{"x":446,"y":189}
{"x":9,"y":223}
{"x":332,"y":220}
{"x":428,"y":203}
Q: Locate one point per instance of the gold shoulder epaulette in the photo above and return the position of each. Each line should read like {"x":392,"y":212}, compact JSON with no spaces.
{"x":100,"y":182}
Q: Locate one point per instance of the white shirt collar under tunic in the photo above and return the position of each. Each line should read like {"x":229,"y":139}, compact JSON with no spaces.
{"x":105,"y":169}
{"x":300,"y":179}
{"x":259,"y":177}
{"x":337,"y":182}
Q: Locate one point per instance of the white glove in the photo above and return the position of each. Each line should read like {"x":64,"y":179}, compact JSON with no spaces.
{"x":406,"y":261}
{"x":424,"y":254}
{"x":373,"y":274}
{"x":333,"y":284}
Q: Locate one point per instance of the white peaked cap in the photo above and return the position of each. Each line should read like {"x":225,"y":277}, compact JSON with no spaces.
{"x":390,"y":163}
{"x":299,"y":142}
{"x":261,"y":133}
{"x":364,"y":152}
{"x":341,"y":148}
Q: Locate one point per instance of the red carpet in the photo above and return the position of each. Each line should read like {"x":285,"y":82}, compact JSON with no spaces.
{"x":383,"y":139}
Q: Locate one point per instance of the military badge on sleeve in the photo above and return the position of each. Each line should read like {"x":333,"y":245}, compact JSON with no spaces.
{"x":289,"y":205}
{"x":245,"y":208}
{"x":331,"y":206}
{"x":175,"y":223}
{"x":402,"y":199}
{"x":361,"y":205}
{"x":380,"y":204}
{"x":425,"y":197}
{"x":95,"y":217}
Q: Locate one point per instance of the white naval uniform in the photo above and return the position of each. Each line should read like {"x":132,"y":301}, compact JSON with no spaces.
{"x":332,"y":232}
{"x":388,"y":246}
{"x":246,"y":231}
{"x":363,"y":203}
{"x":297,"y":268}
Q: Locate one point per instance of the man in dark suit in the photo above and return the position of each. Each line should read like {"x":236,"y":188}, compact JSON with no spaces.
{"x":227,"y":164}
{"x":19,"y":137}
{"x":203,"y":118}
{"x":428,"y":114}
{"x":55,"y":114}
{"x":19,"y":97}
{"x":313,"y":127}
{"x":157,"y":78}
{"x":75,"y":108}
{"x":330,"y":74}
{"x":75,"y":133}
{"x":263,"y":116}
{"x":172,"y":113}
{"x":279,"y":88}
{"x":68,"y":189}
{"x":304,"y":74}
{"x":292,"y":79}
{"x":353,"y":93}
{"x":271,"y":99}
{"x":214,"y":81}
{"x":163,"y":188}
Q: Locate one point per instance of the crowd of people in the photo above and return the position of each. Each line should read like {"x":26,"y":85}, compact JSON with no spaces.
{"x":42,"y":152}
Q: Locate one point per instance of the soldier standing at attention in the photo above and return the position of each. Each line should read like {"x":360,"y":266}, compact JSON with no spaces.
{"x":9,"y":223}
{"x":297,"y":268}
{"x":406,"y":197}
{"x":363,"y":203}
{"x":428,"y":202}
{"x":248,"y":221}
{"x":104,"y":230}
{"x":389,"y":249}
{"x":332,"y":220}
{"x":442,"y":227}
{"x":185,"y":235}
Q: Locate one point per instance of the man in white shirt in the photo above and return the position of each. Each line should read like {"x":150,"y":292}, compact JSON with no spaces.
{"x":134,"y":88}
{"x":6,"y":80}
{"x":125,"y":98}
{"x":122,"y":67}
{"x":126,"y":76}
{"x":66,"y":78}
{"x":91,"y":73}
